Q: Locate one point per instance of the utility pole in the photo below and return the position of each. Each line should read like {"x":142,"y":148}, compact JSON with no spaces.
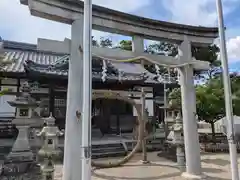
{"x":87,"y":91}
{"x":228,"y":94}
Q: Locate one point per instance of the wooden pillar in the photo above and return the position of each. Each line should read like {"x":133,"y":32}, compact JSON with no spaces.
{"x":51,"y":100}
{"x":18,"y":91}
{"x":18,"y":85}
{"x":118,"y":122}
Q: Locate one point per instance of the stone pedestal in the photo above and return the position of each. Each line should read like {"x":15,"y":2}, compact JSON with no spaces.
{"x":22,"y":142}
{"x":180,"y":157}
{"x":21,"y":156}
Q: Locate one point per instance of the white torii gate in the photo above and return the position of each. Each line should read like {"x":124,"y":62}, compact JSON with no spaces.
{"x":71,"y":12}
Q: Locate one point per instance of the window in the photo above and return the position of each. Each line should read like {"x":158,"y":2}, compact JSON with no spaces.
{"x":23,"y":112}
{"x":50,"y":142}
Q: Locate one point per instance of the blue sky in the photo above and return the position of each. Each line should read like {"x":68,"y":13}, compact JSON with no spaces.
{"x":17,"y":24}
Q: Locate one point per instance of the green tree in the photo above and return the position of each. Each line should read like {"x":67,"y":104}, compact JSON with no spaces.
{"x":105,"y":42}
{"x":162,"y":48}
{"x":94,"y":42}
{"x":126,"y":45}
{"x":205,"y":53}
{"x":210,"y":54}
{"x":210,"y":103}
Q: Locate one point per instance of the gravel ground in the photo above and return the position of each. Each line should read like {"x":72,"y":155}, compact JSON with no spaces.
{"x":215,"y":166}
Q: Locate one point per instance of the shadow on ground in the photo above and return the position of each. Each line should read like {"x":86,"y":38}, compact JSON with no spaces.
{"x":122,"y":177}
{"x":168,"y":156}
{"x":212,"y":170}
{"x":216,"y":178}
{"x":219,"y":162}
{"x":106,"y":177}
{"x":150,"y":164}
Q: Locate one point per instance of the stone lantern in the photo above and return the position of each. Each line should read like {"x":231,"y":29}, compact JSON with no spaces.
{"x":176,"y":138}
{"x":21,"y":155}
{"x":49,"y":150}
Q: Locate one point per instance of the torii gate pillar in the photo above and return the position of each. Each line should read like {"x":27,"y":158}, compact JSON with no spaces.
{"x":191,"y":139}
{"x":73,"y":129}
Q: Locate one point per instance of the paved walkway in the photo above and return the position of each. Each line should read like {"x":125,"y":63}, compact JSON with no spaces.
{"x":215,"y":166}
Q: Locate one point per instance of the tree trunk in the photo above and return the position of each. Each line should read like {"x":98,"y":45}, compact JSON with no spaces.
{"x":213,"y":132}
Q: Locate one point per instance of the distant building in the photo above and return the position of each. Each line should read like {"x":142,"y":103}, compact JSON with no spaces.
{"x":45,"y":66}
{"x":222,"y":125}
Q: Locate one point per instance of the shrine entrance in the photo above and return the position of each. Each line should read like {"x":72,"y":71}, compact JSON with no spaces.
{"x":116,"y":116}
{"x":112,"y":116}
{"x":139,"y":124}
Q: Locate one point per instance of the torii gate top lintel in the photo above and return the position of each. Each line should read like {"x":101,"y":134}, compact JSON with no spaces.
{"x":113,"y":21}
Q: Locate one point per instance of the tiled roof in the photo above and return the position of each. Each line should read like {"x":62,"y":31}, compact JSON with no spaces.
{"x":19,"y":45}
{"x":19,"y":57}
{"x":60,"y":68}
{"x":19,"y":53}
{"x":26,"y":58}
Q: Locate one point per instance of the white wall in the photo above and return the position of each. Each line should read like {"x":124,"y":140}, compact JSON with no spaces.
{"x":5,"y":109}
{"x":53,"y":45}
{"x":149,"y":104}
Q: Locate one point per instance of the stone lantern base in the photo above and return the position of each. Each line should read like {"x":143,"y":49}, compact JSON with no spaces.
{"x":21,"y":157}
{"x":18,"y":162}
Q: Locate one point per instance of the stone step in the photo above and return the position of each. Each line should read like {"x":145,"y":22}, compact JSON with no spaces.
{"x":107,"y":145}
{"x":153,"y":145}
{"x":108,"y":154}
{"x":108,"y":150}
{"x":99,"y":150}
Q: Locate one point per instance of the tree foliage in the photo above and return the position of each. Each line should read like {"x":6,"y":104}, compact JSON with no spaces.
{"x":163,"y":48}
{"x":105,"y":42}
{"x":126,"y":45}
{"x":210,"y":103}
{"x":210,"y":54}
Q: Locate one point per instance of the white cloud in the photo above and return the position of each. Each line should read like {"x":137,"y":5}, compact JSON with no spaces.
{"x":233,"y":46}
{"x":17,"y":24}
{"x":123,"y":5}
{"x":196,"y":12}
{"x":191,"y":12}
{"x":203,"y":12}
